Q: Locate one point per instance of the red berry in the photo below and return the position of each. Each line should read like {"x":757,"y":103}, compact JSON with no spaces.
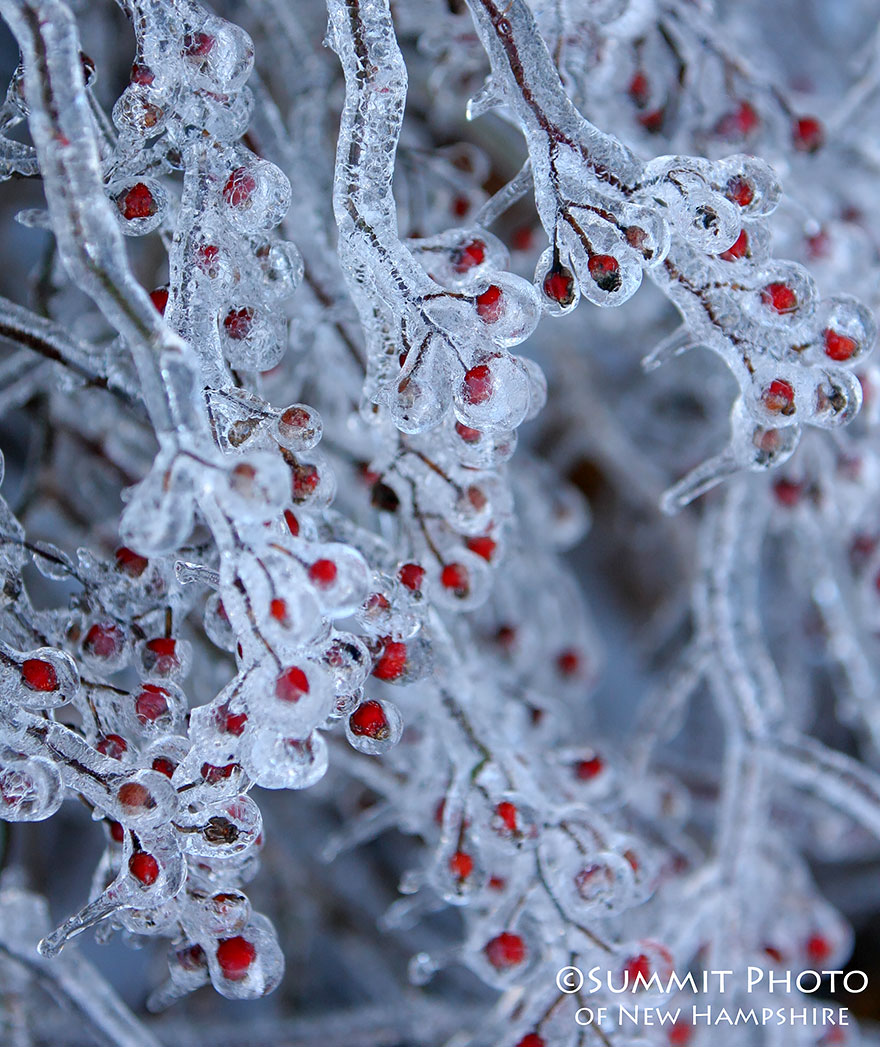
{"x":740,"y":191}
{"x":532,"y":1039}
{"x":478,"y":384}
{"x":461,"y":864}
{"x":507,"y":812}
{"x":746,"y":118}
{"x":680,"y":1034}
{"x":376,"y":604}
{"x":212,"y":774}
{"x":198,"y":45}
{"x":470,"y":436}
{"x":164,"y":766}
{"x":506,"y":950}
{"x":151,"y":703}
{"x":159,"y":298}
{"x":818,"y":949}
{"x":144,"y":867}
{"x":787,"y":492}
{"x":291,"y":685}
{"x":490,"y":305}
{"x":161,"y":654}
{"x":239,"y":186}
{"x":742,"y":121}
{"x":779,"y":297}
{"x":808,"y":134}
{"x":191,"y":958}
{"x":568,"y":662}
{"x":304,"y":481}
{"x":559,"y":285}
{"x":206,"y":256}
{"x":323,"y":573}
{"x":141,"y":74}
{"x":104,"y":641}
{"x":135,"y":797}
{"x":231,"y":723}
{"x":369,"y":720}
{"x":819,"y":245}
{"x":411,"y":575}
{"x":653,"y":121}
{"x":112,"y":745}
{"x":587,"y":769}
{"x":391,"y":662}
{"x":296,"y":418}
{"x":117,"y":832}
{"x":506,"y":637}
{"x":292,"y":523}
{"x":638,"y":965}
{"x":838,"y":346}
{"x":137,"y":202}
{"x":39,"y":675}
{"x":739,"y":249}
{"x":639,"y":89}
{"x":129,"y":562}
{"x":235,"y":955}
{"x":605,"y":271}
{"x":455,"y":576}
{"x":472,"y":254}
{"x":238,"y":322}
{"x":278,"y":610}
{"x":779,"y":397}
{"x":460,"y":206}
{"x":483,"y":546}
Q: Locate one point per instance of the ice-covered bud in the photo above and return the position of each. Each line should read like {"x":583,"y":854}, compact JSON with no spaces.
{"x":222,"y":828}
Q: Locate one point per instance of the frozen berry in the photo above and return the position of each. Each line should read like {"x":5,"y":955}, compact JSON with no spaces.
{"x":137,"y":202}
{"x":838,"y":346}
{"x":605,"y":271}
{"x":468,"y":256}
{"x":291,"y":685}
{"x":235,"y":956}
{"x":505,"y":950}
{"x":151,"y":704}
{"x":490,"y":305}
{"x":779,"y":297}
{"x":478,"y":384}
{"x":144,"y":867}
{"x":559,"y":286}
{"x":391,"y":662}
{"x":369,"y":721}
{"x":39,"y":675}
{"x":323,"y":573}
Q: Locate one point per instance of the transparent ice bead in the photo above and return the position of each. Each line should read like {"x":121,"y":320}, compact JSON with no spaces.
{"x":275,"y":761}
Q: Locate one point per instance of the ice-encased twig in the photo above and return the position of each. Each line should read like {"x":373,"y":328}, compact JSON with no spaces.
{"x":89,"y":240}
